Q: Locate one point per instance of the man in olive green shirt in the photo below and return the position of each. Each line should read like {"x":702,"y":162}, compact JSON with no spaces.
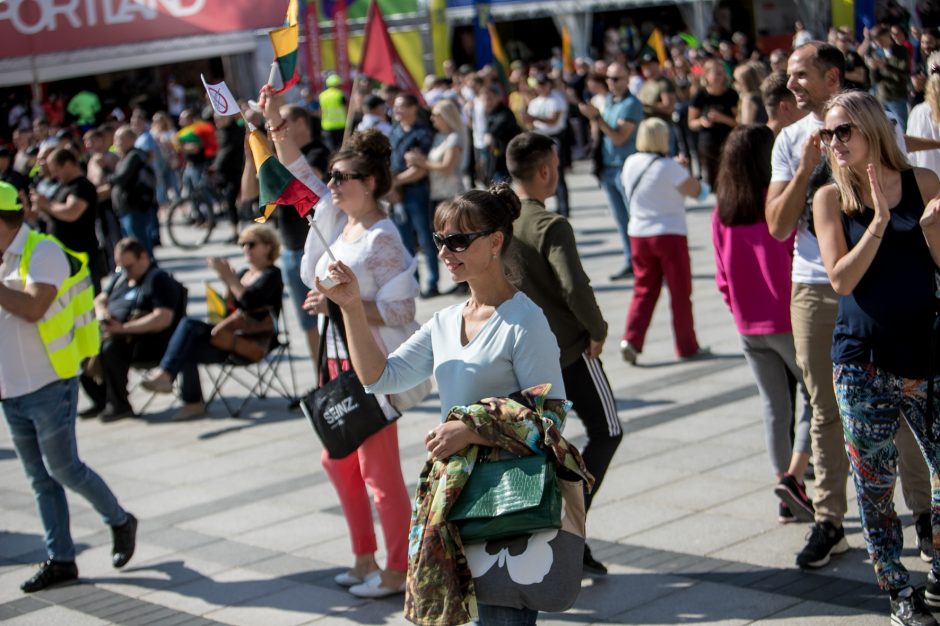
{"x":544,"y":244}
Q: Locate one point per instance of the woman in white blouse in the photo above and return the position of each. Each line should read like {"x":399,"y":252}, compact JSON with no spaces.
{"x":924,"y":120}
{"x":352,"y":218}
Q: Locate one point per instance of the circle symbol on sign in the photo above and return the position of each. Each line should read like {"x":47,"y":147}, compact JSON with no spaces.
{"x":219,"y":101}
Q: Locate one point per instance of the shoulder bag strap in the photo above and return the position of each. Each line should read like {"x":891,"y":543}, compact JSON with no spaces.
{"x":321,"y":354}
{"x":640,"y":177}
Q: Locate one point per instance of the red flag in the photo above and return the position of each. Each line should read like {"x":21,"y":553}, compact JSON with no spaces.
{"x":380,"y":60}
{"x":311,"y":13}
{"x":341,"y":42}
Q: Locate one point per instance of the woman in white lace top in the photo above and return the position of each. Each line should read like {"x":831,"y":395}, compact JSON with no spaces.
{"x":353,"y":220}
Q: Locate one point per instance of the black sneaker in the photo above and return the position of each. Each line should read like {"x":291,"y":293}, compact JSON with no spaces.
{"x":924,"y":537}
{"x":824,"y":540}
{"x":793,"y":493}
{"x":51,"y":573}
{"x":908,"y":609}
{"x":125,"y":540}
{"x":92,"y":411}
{"x":932,"y":592}
{"x":623,"y":274}
{"x":784,"y":514}
{"x":592,"y":567}
{"x":113,"y":414}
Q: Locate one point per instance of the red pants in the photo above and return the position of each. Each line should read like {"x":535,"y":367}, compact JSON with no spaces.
{"x":376,"y":464}
{"x":656,"y":258}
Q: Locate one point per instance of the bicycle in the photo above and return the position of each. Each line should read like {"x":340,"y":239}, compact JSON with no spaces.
{"x":191,"y":219}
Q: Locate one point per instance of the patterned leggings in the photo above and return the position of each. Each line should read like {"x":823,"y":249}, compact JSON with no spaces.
{"x":871,"y":403}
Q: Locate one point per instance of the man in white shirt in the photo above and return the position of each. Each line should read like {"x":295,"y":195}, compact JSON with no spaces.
{"x":547,"y":113}
{"x":39,"y":403}
{"x":816,"y":71}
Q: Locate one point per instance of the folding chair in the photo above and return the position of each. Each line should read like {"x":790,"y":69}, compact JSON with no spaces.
{"x":259,"y":378}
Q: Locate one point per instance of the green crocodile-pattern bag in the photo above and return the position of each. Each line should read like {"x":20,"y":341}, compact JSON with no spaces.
{"x":506,"y":498}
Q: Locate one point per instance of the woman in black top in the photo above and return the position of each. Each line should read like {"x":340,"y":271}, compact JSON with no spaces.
{"x":254,"y":297}
{"x":713,"y":113}
{"x":881,"y":250}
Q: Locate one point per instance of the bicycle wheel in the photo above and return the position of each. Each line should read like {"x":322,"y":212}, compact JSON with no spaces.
{"x":190,"y":223}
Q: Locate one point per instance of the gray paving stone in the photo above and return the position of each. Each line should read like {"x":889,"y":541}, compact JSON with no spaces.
{"x":146,"y":614}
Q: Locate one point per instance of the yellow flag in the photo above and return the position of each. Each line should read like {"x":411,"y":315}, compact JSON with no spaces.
{"x":656,"y":43}
{"x":216,"y":305}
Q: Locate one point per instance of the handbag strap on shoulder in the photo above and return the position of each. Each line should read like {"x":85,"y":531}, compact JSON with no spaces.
{"x":335,"y":317}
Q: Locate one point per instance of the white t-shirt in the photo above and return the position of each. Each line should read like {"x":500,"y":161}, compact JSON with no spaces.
{"x":808,"y":267}
{"x":514,"y":350}
{"x":921,"y":124}
{"x":547,"y":106}
{"x":24,"y":364}
{"x":656,"y":206}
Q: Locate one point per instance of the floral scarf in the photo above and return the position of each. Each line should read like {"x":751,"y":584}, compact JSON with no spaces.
{"x":439,"y":588}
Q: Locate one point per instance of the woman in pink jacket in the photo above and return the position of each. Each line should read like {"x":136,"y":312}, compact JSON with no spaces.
{"x":753,"y":275}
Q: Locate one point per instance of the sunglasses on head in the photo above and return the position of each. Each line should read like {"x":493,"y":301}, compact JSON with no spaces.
{"x":842,"y":132}
{"x":458,"y":242}
{"x":342,"y":177}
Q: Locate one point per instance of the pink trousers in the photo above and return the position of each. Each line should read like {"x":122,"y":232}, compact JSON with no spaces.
{"x":376,"y":464}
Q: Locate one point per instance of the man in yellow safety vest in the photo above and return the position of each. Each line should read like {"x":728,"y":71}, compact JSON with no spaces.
{"x":47,"y":328}
{"x":333,"y":113}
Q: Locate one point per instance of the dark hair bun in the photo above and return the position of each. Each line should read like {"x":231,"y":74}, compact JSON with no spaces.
{"x":509,"y":199}
{"x":372,"y":144}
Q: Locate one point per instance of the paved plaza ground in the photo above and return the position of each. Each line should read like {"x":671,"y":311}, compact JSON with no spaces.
{"x":240,"y":525}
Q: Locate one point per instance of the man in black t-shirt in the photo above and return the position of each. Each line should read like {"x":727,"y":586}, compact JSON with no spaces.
{"x":71,"y":213}
{"x":138,"y":311}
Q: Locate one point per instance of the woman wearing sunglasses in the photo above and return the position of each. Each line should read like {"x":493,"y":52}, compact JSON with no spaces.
{"x":253,"y":296}
{"x":881,"y":250}
{"x":924,"y":120}
{"x":495,"y":343}
{"x":353,"y":219}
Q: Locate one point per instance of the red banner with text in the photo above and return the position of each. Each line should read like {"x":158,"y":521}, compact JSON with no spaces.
{"x":41,"y":26}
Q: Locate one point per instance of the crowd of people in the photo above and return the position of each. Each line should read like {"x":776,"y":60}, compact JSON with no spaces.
{"x":823,"y":161}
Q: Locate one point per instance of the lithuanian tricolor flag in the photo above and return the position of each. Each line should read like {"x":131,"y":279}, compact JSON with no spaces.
{"x":276,"y":184}
{"x":284,"y":40}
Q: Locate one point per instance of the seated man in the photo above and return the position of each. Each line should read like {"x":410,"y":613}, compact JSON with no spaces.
{"x":138,"y":311}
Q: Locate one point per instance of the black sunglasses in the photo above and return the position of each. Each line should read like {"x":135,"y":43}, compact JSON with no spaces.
{"x":249,"y":244}
{"x":342,"y":177}
{"x":458,"y":242}
{"x":842,"y":132}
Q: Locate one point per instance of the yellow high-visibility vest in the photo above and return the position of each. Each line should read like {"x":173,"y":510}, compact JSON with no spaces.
{"x":332,"y":111}
{"x":71,"y":333}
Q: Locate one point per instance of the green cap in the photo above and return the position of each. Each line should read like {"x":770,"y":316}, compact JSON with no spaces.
{"x":9,"y":198}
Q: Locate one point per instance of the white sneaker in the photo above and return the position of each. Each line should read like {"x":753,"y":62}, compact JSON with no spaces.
{"x":348,"y":579}
{"x":372,"y":588}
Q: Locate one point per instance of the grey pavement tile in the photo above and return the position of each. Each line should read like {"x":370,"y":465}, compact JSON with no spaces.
{"x":144,"y":613}
{"x":821,"y":614}
{"x":55,"y":615}
{"x":168,"y":617}
{"x":231,"y":553}
{"x":130,"y":606}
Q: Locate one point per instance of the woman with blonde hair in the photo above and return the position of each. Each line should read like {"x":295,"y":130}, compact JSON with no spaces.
{"x":253,"y":296}
{"x":881,"y":249}
{"x":655,"y":188}
{"x":447,"y":156}
{"x":924,"y":120}
{"x":747,"y":81}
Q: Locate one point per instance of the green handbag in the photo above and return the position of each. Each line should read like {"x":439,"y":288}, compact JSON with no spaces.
{"x":506,"y":498}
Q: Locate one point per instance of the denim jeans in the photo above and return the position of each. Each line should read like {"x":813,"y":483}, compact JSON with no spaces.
{"x":492,"y":615}
{"x":899,"y":108}
{"x":139,"y":225}
{"x":290,"y":272}
{"x":42,"y":426}
{"x":613,"y":187}
{"x":416,"y":229}
{"x":189,"y":346}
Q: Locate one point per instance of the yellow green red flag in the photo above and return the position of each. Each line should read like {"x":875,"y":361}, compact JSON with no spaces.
{"x":285,"y":72}
{"x":275,"y":182}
